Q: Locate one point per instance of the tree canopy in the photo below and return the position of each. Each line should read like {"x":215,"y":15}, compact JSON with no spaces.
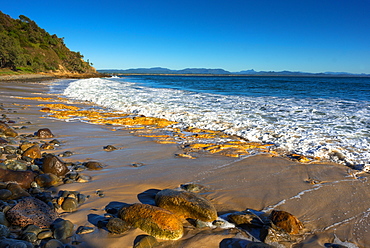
{"x":24,"y":45}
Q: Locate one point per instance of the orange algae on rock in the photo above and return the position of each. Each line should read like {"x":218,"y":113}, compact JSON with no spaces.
{"x":58,"y":106}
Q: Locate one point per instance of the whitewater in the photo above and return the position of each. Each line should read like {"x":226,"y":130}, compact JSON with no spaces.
{"x":329,"y":128}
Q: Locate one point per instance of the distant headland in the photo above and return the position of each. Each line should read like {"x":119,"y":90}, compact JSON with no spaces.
{"x":222,"y":72}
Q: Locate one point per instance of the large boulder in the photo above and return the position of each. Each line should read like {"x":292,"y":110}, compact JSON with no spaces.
{"x":286,"y":221}
{"x":23,"y":178}
{"x":52,"y":164}
{"x":30,"y":210}
{"x":186,"y":205}
{"x":7,"y":130}
{"x":158,"y":222}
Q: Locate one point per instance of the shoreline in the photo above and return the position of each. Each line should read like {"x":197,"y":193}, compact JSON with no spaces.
{"x":259,"y":182}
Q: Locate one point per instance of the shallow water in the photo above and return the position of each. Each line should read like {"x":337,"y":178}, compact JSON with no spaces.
{"x":327,"y":118}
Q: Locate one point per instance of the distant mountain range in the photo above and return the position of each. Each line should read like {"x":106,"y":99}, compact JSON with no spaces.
{"x":204,"y":71}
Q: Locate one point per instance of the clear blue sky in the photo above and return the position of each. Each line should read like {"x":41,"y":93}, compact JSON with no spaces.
{"x":296,"y":35}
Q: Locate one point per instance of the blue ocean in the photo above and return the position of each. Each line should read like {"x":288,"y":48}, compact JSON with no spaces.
{"x":323,"y":117}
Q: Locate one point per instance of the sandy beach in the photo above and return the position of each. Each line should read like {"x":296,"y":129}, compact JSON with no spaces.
{"x":331,"y":200}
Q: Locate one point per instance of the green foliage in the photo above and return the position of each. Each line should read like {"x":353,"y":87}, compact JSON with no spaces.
{"x":26,"y":46}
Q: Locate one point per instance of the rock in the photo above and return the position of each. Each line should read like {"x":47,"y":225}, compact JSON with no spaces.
{"x":62,"y":228}
{"x":44,"y":133}
{"x":84,"y":230}
{"x":47,"y":180}
{"x":192,"y":187}
{"x":245,"y":218}
{"x":118,"y":226}
{"x":3,"y":220}
{"x":23,"y":178}
{"x":10,"y":150}
{"x":29,"y":236}
{"x":14,"y":243}
{"x":3,"y":141}
{"x":4,"y":231}
{"x":109,"y":148}
{"x":25,"y":145}
{"x":186,"y":205}
{"x":54,"y":165}
{"x":91,"y":165}
{"x":286,"y":221}
{"x":47,"y":146}
{"x":66,"y":154}
{"x":5,"y":194}
{"x":16,"y":165}
{"x":33,"y":152}
{"x":53,"y":243}
{"x":45,"y":234}
{"x":30,"y":210}
{"x":158,"y":222}
{"x":145,"y":241}
{"x":70,"y":204}
{"x":17,"y":191}
{"x":274,"y":234}
{"x":32,"y":229}
{"x":7,"y":130}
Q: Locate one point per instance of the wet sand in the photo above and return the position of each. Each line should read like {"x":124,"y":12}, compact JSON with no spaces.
{"x":338,"y":204}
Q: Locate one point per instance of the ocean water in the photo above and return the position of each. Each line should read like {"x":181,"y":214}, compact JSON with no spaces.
{"x":313,"y":116}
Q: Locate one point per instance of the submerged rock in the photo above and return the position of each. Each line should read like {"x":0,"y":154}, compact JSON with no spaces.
{"x":158,"y":222}
{"x":186,"y":204}
{"x":30,"y":210}
{"x":286,"y":221}
{"x":47,"y":180}
{"x":92,"y":165}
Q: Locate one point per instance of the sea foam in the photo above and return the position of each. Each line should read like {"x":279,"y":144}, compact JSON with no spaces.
{"x":328,"y":128}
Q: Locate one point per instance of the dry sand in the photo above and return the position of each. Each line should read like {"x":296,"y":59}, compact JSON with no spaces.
{"x":338,"y":205}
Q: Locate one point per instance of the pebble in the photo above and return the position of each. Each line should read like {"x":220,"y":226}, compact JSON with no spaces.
{"x":62,"y":228}
{"x":84,"y":230}
{"x":4,"y":231}
{"x":45,"y":234}
{"x":109,"y":148}
{"x":69,"y":204}
{"x":53,"y":243}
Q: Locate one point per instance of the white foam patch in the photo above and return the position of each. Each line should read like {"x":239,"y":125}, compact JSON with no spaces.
{"x":312,"y":127}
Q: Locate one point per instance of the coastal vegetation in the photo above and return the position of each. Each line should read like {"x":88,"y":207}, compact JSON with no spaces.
{"x":27,"y":48}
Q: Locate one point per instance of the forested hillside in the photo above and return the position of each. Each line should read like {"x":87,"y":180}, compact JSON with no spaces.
{"x":27,"y":47}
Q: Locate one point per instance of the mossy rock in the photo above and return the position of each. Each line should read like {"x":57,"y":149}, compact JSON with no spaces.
{"x":186,"y":205}
{"x":158,"y":222}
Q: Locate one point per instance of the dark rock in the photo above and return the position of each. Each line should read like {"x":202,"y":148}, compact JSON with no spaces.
{"x":91,"y":165}
{"x":3,"y":220}
{"x":5,"y":194}
{"x":84,"y":230}
{"x":186,"y":204}
{"x":137,"y":164}
{"x":23,"y":178}
{"x":32,"y":229}
{"x":70,"y":204}
{"x":17,"y":191}
{"x":53,"y":243}
{"x":47,"y":180}
{"x":158,"y":222}
{"x":29,"y":236}
{"x":54,"y":165}
{"x":7,"y":130}
{"x":3,"y":141}
{"x":30,"y":210}
{"x":109,"y":148}
{"x":55,"y":142}
{"x":81,"y":198}
{"x":62,"y":228}
{"x":4,"y":231}
{"x":15,"y":243}
{"x":286,"y":221}
{"x":66,"y":154}
{"x":47,"y":146}
{"x":44,"y":133}
{"x":117,"y":226}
